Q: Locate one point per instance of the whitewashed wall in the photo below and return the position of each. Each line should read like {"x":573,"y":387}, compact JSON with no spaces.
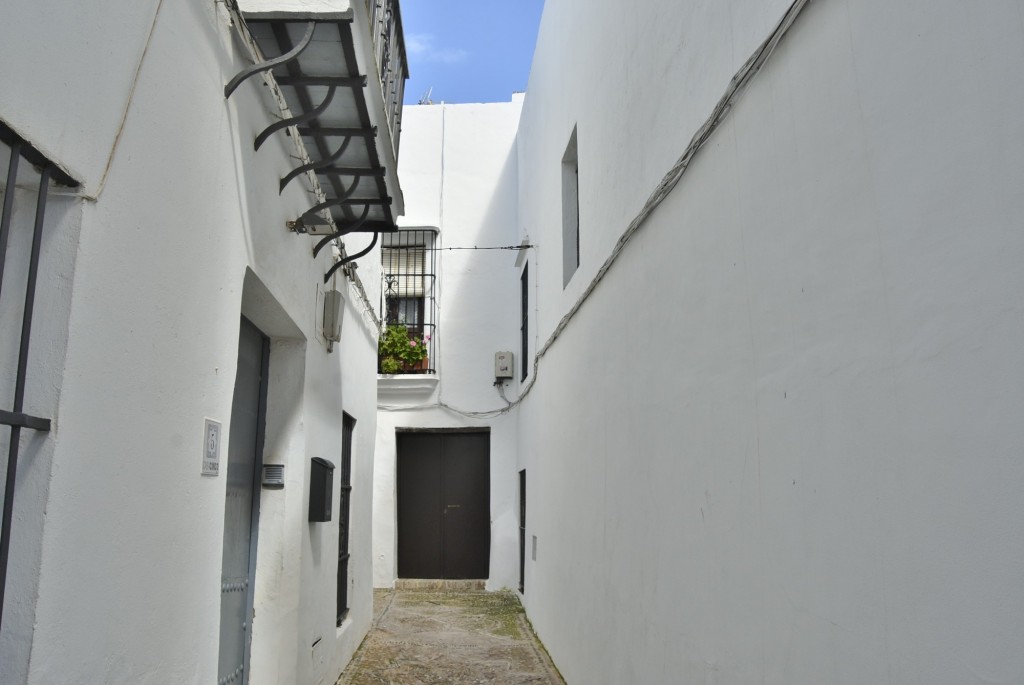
{"x":781,"y":442}
{"x":181,"y":232}
{"x":458,"y":170}
{"x":56,"y":269}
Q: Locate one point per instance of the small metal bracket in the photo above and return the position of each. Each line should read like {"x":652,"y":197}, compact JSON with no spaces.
{"x":314,"y":225}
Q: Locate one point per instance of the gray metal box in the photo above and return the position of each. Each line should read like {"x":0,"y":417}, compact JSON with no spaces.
{"x":321,"y":488}
{"x":334,"y":311}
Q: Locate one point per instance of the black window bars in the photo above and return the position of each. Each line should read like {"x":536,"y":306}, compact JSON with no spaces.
{"x":408,"y":291}
{"x":19,"y":150}
{"x":348,"y":426}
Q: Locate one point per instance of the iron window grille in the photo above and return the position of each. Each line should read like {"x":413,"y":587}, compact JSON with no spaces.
{"x":408,"y":289}
{"x":524,"y":321}
{"x":14,"y":153}
{"x":344,"y":506}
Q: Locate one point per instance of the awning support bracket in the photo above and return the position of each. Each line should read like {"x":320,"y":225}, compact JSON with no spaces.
{"x":310,"y":213}
{"x":292,"y":121}
{"x":271,"y":63}
{"x":312,"y":166}
{"x":351,"y":258}
{"x":342,"y":231}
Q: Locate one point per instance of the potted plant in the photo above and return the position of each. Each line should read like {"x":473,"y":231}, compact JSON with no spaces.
{"x":399,"y":351}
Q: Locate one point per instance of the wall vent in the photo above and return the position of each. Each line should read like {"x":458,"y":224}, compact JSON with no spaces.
{"x":273,"y":475}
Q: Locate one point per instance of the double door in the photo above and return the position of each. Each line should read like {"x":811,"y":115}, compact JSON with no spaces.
{"x":444,"y":525}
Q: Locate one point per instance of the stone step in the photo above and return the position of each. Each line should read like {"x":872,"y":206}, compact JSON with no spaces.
{"x":438,"y":585}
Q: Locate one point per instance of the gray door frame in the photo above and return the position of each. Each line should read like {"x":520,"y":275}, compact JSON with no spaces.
{"x":254,"y":515}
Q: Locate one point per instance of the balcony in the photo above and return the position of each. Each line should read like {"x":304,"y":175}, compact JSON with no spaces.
{"x":408,"y":291}
{"x":338,"y":68}
{"x":389,"y":49}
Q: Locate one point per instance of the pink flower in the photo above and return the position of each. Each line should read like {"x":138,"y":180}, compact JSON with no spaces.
{"x":412,"y":343}
{"x":426,"y":337}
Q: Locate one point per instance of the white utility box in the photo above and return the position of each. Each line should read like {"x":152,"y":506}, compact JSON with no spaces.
{"x":503,"y":365}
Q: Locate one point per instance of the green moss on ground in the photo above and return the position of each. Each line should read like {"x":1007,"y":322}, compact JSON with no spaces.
{"x":499,"y":611}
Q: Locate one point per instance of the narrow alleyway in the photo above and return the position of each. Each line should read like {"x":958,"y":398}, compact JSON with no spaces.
{"x":430,"y":635}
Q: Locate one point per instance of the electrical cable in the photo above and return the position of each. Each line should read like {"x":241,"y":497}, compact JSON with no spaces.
{"x":671,"y":179}
{"x":95,"y":196}
{"x":501,"y":247}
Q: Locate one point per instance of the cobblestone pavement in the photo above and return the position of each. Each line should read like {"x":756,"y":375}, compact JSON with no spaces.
{"x":422,"y":637}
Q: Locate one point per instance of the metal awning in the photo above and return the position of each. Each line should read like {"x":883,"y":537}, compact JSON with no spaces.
{"x":340,"y":112}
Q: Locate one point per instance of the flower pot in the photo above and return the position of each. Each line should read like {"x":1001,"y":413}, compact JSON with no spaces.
{"x":417,"y":367}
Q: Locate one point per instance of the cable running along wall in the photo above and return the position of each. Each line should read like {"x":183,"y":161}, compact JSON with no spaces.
{"x":736,"y":86}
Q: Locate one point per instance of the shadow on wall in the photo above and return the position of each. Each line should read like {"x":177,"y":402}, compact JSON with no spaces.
{"x":482,"y":284}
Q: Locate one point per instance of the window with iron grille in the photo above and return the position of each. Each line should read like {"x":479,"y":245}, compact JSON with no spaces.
{"x":344,"y":504}
{"x":24,"y":233}
{"x":524,"y":321}
{"x":408,"y":290}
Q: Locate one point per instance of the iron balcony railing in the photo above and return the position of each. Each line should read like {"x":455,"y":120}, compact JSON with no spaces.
{"x":392,"y":65}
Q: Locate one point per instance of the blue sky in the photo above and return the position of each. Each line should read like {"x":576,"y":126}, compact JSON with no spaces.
{"x":469,"y":50}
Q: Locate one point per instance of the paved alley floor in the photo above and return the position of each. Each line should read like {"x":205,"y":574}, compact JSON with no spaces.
{"x":457,"y":638}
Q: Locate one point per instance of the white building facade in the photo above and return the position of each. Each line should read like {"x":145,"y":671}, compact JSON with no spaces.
{"x":184,"y":336}
{"x":769,"y":421}
{"x":758,"y":264}
{"x":459,"y":168}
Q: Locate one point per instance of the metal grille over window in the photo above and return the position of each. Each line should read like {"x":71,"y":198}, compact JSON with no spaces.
{"x":25,"y":167}
{"x":348,"y":427}
{"x":409,"y":340}
{"x":524,"y":319}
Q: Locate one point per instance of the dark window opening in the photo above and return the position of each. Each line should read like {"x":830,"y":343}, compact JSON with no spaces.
{"x":570,"y":210}
{"x":522,"y":530}
{"x":524,"y":319}
{"x":348,"y":427}
{"x":406,"y":310}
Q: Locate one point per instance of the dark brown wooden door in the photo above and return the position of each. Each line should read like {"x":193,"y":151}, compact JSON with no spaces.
{"x":419,"y":506}
{"x":444,"y":525}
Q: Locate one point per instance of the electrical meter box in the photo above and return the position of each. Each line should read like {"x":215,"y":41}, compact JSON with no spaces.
{"x":503,"y":365}
{"x":321,"y":482}
{"x":334,"y":310}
